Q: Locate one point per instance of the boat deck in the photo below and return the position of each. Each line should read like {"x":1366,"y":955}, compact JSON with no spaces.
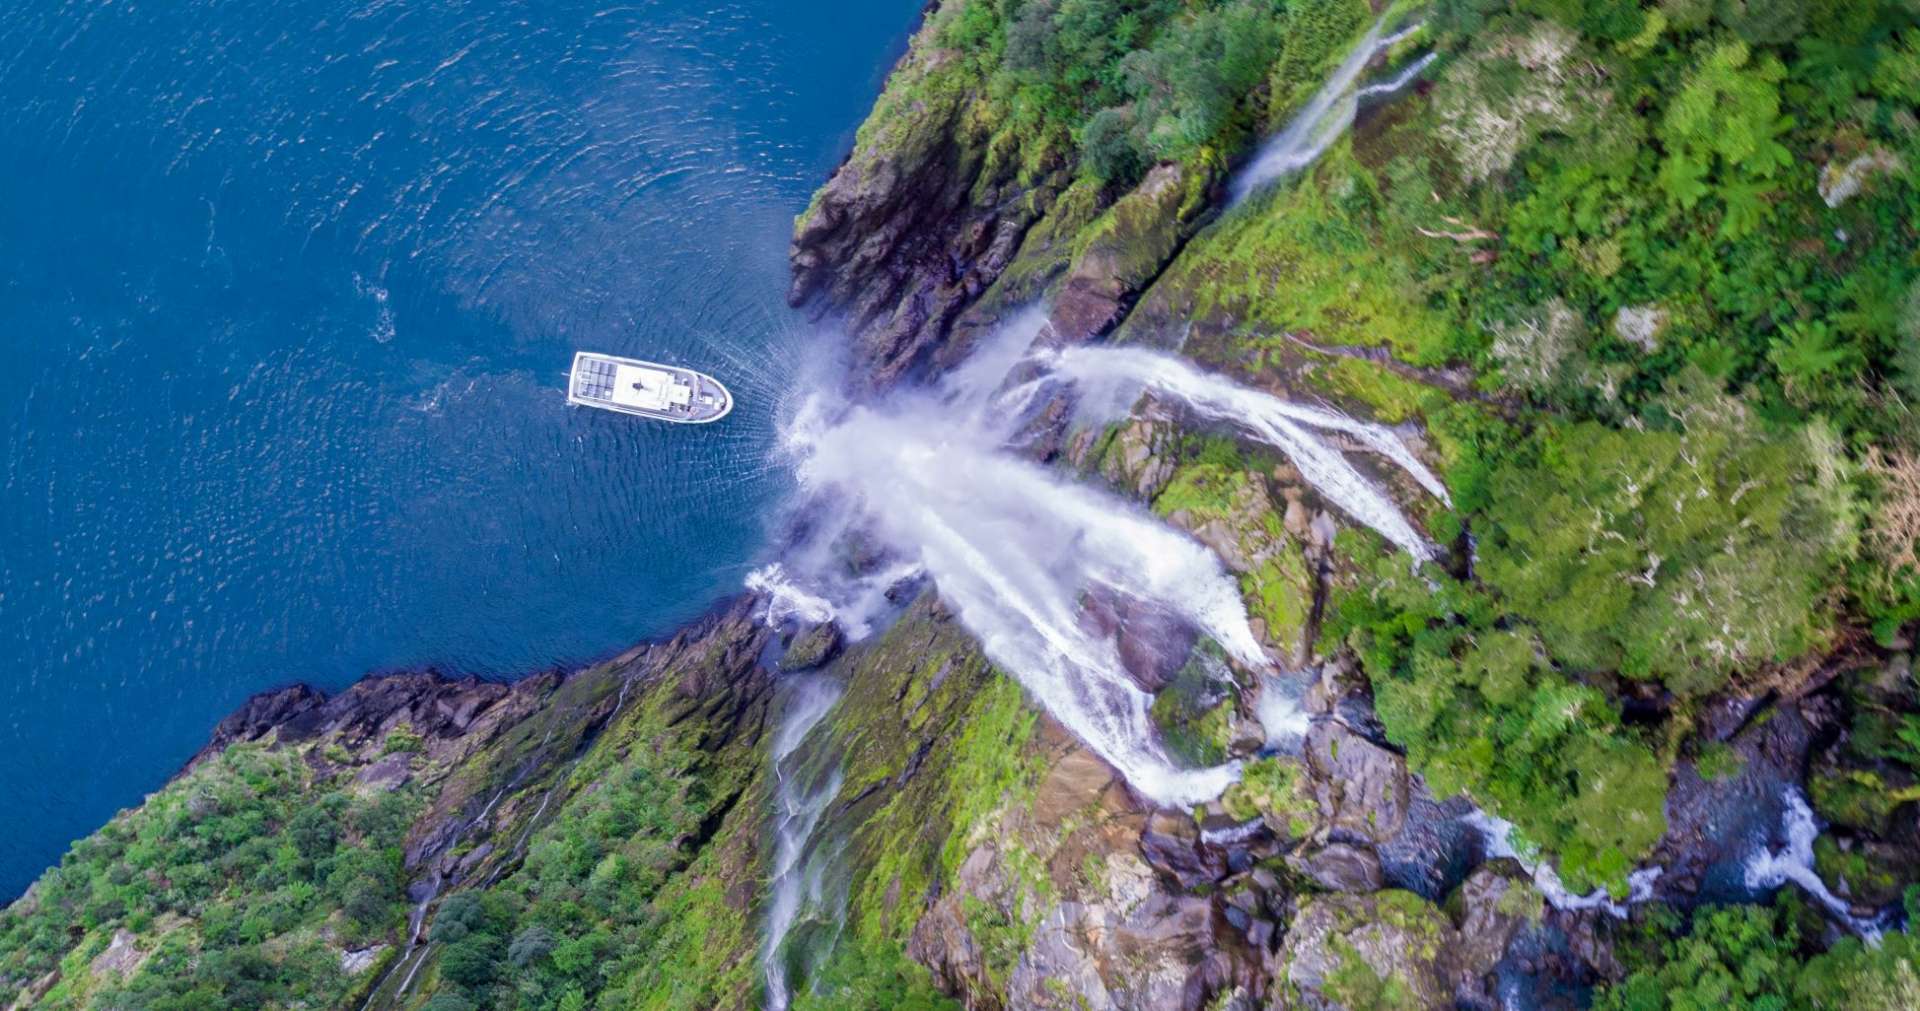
{"x":646,"y":389}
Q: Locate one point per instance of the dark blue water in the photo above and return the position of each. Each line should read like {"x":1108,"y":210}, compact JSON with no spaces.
{"x":287,"y":296}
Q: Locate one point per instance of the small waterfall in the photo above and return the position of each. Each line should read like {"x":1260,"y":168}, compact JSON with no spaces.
{"x":1278,"y":709}
{"x":1767,"y":869}
{"x":1111,"y":379}
{"x":1498,"y":833}
{"x":805,"y":782}
{"x":1326,"y":116}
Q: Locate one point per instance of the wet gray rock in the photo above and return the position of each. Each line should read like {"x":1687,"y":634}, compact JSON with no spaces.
{"x":1340,"y":867}
{"x":811,"y":648}
{"x":1153,"y":644}
{"x":1713,"y":825}
{"x":1361,"y":787}
{"x":1496,"y":901}
{"x":390,"y":772}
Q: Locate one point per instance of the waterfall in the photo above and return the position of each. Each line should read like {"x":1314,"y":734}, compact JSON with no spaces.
{"x":1326,"y":116}
{"x":1111,"y":379}
{"x":1498,"y":834}
{"x":803,"y":786}
{"x":1768,"y":869}
{"x":1015,"y":550}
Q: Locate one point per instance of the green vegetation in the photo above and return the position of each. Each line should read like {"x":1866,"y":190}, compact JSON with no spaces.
{"x":1272,"y":788}
{"x":1114,"y":85}
{"x":614,"y":902}
{"x":1759,"y":958}
{"x":1677,"y":242}
{"x":1476,"y":702}
{"x":236,"y":886}
{"x":1680,"y":555}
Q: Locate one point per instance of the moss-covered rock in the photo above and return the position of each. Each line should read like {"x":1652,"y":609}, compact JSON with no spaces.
{"x":1386,"y":950}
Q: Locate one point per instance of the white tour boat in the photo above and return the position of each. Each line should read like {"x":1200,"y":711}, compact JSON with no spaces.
{"x":647,"y":389}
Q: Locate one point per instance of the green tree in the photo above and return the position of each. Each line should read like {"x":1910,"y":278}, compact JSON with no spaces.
{"x":1726,"y":117}
{"x":1677,"y":555}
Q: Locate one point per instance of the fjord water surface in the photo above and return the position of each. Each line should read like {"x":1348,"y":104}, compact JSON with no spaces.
{"x":287,"y":294}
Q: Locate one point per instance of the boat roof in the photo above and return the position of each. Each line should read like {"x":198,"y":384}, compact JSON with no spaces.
{"x":647,"y":388}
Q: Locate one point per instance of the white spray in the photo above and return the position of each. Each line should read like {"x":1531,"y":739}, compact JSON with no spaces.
{"x":1326,"y":116}
{"x":1112,"y":377}
{"x":1280,"y":713}
{"x":1766,"y":869}
{"x":786,"y":599}
{"x":1014,"y":550}
{"x":799,"y":802}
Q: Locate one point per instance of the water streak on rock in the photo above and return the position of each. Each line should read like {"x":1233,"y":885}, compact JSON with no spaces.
{"x":1111,"y":379}
{"x":1326,"y":116}
{"x":1768,"y":868}
{"x":802,"y":791}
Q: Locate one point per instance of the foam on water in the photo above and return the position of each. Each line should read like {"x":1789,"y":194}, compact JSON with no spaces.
{"x":1498,"y":834}
{"x":1280,"y":713}
{"x":787,"y":600}
{"x":1768,"y":868}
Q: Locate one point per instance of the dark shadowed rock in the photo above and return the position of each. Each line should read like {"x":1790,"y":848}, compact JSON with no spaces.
{"x":1496,"y":901}
{"x":259,"y":716}
{"x":812,"y":648}
{"x":1153,"y":644}
{"x":1340,"y":867}
{"x":1713,"y":823}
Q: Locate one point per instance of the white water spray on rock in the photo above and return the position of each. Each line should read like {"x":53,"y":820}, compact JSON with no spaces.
{"x":800,"y":799}
{"x":1768,"y":869}
{"x":1280,"y":713}
{"x":1326,"y":116}
{"x":786,"y":599}
{"x":1498,"y":833}
{"x":1014,"y":550}
{"x":1111,"y":379}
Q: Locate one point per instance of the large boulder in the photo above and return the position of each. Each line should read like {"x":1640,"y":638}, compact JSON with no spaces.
{"x":1361,"y":787}
{"x":1388,"y":949}
{"x":1128,"y":247}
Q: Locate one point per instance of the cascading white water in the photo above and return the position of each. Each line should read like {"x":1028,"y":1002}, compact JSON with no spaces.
{"x":1498,"y":833}
{"x":1111,"y":379}
{"x":799,"y":802}
{"x":1015,"y":549}
{"x":1325,"y":117}
{"x":1278,"y":709}
{"x":1767,"y":869}
{"x":852,"y":603}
